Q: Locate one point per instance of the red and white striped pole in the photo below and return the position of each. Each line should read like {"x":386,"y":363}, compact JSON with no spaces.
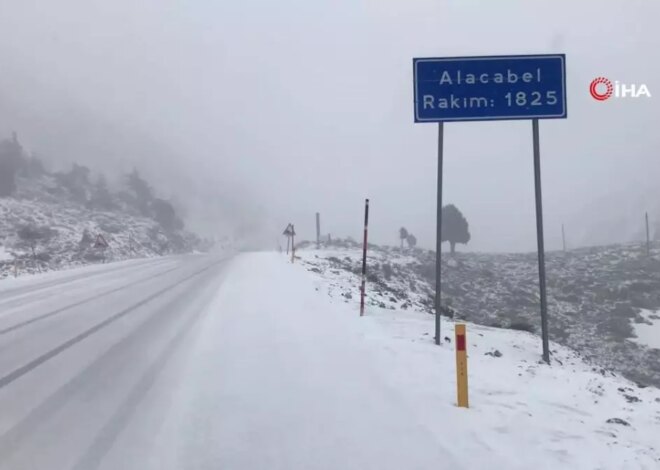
{"x":364,"y":256}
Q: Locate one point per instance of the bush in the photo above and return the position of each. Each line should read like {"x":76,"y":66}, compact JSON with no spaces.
{"x":111,"y":227}
{"x":32,"y":235}
{"x":387,"y":271}
{"x":522,"y":326}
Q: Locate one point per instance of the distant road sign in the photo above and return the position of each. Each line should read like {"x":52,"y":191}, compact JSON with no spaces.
{"x":289,"y":231}
{"x":100,"y":242}
{"x":490,"y":88}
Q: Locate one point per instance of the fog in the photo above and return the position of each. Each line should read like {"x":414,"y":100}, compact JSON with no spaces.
{"x":260,"y":113}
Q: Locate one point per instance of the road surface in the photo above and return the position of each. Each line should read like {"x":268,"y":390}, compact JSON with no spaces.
{"x":79,"y":352}
{"x":192,"y":363}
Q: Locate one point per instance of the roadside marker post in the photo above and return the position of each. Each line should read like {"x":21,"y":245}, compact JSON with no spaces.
{"x":364,"y":256}
{"x":461,"y":367}
{"x":293,"y":245}
{"x":491,"y":88}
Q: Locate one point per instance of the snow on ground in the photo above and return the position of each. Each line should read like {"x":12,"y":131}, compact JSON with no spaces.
{"x":524,"y":414}
{"x":79,"y":272}
{"x":73,"y":231}
{"x":275,"y":373}
{"x":649,"y":333}
{"x":400,"y":291}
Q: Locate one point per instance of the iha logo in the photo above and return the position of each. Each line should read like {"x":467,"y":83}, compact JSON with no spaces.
{"x":602,"y":89}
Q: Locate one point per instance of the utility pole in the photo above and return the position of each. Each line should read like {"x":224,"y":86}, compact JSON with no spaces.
{"x":318,"y":230}
{"x":563,"y":237}
{"x":648,"y":240}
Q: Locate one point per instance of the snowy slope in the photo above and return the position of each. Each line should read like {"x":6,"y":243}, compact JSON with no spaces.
{"x":596,"y":296}
{"x":559,"y":414}
{"x":39,"y":204}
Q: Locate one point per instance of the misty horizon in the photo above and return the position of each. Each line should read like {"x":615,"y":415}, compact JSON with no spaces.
{"x":253,"y":115}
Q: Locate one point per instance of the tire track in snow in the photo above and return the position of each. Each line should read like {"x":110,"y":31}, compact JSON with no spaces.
{"x":108,"y":434}
{"x":33,"y":364}
{"x":22,"y":291}
{"x":118,"y":352}
{"x":24,"y":323}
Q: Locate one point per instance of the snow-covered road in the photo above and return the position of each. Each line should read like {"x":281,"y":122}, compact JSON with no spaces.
{"x":80,"y":350}
{"x":190,"y":363}
{"x":203,"y":362}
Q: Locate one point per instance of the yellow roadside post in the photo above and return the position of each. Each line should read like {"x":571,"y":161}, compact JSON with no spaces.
{"x":461,"y":366}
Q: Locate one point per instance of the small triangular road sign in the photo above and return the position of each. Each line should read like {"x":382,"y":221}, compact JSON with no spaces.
{"x":100,"y":242}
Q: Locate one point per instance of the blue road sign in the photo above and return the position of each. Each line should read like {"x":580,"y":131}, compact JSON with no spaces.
{"x":490,"y":88}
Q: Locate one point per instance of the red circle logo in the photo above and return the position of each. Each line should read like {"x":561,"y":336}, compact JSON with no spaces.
{"x":597,"y":91}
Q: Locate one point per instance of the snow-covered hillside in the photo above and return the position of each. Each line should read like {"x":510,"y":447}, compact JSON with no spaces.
{"x":72,"y":231}
{"x":597,"y":296}
{"x":524,"y":414}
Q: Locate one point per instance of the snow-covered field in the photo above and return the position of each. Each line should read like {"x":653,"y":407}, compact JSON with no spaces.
{"x":524,"y":414}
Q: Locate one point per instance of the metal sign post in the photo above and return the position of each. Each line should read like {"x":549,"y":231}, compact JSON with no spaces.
{"x":438,"y":235}
{"x":485,"y":89}
{"x":289,"y":232}
{"x":539,"y":240}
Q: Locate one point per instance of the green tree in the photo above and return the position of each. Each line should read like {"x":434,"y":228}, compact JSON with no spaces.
{"x":11,"y":161}
{"x":77,"y":182}
{"x":454,"y":227}
{"x":165,"y":215}
{"x":411,"y":240}
{"x":33,"y":167}
{"x":403,"y":235}
{"x":142,"y":192}
{"x":101,"y":197}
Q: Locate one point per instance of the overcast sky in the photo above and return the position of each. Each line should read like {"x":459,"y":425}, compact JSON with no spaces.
{"x":265,"y":112}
